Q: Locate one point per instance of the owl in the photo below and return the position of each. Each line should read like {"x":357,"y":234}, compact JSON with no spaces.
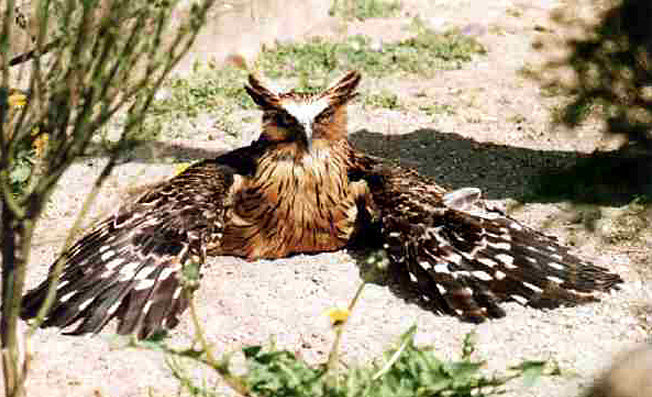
{"x":302,"y":187}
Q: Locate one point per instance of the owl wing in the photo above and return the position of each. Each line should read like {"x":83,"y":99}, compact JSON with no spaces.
{"x":466,"y":259}
{"x":129,"y":266}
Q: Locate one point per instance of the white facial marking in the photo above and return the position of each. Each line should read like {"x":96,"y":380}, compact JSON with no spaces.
{"x":305,"y":112}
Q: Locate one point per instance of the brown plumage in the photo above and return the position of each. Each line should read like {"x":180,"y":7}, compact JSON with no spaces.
{"x":302,"y":188}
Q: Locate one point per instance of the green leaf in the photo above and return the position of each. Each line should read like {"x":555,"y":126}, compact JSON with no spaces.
{"x":251,"y":351}
{"x":531,"y":371}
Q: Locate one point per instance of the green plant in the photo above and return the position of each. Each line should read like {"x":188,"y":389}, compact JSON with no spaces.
{"x":104,"y":58}
{"x":365,"y":9}
{"x":424,"y":54}
{"x":436,"y":109}
{"x":204,"y":90}
{"x":207,"y":91}
{"x":384,"y":99}
{"x":404,"y":370}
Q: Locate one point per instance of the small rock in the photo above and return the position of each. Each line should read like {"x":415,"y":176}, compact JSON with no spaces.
{"x":474,"y":30}
{"x":629,"y":376}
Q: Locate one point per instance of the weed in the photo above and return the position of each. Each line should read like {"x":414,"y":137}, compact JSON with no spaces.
{"x":365,"y":9}
{"x":423,"y":54}
{"x":514,"y":12}
{"x":628,"y":224}
{"x":437,"y":109}
{"x":404,"y":370}
{"x":206,"y":91}
{"x":517,"y":118}
{"x":385,"y":99}
{"x":203,"y":91}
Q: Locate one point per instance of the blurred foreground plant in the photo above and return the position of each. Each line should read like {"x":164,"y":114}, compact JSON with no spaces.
{"x":405,"y":370}
{"x":103,"y":57}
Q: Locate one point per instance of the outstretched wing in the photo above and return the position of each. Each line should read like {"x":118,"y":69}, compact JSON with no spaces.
{"x":466,"y":259}
{"x":129,"y":266}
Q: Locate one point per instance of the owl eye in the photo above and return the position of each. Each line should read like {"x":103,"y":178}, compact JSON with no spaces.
{"x":326,"y":116}
{"x":284,"y":120}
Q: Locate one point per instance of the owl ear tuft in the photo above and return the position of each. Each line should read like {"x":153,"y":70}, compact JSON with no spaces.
{"x":263,"y":96}
{"x":344,"y":89}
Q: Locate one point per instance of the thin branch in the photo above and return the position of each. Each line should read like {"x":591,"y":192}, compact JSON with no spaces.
{"x":26,"y":56}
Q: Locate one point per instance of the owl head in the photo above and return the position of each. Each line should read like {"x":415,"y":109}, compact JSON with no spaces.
{"x":308,"y":120}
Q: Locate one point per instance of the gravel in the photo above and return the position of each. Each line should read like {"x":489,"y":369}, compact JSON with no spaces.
{"x":480,"y":144}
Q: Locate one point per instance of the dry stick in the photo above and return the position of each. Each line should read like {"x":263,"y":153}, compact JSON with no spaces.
{"x":26,"y":56}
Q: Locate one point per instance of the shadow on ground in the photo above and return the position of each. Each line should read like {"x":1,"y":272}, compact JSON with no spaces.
{"x":527,"y":175}
{"x":158,"y":151}
{"x":530,"y":176}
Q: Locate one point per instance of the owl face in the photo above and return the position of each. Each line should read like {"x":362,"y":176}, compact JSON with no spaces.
{"x":304,"y":119}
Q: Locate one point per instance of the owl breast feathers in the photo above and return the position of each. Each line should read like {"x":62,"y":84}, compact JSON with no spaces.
{"x":301,"y":187}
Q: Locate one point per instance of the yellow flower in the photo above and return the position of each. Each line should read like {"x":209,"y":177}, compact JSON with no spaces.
{"x":338,"y":316}
{"x":17,"y":100}
{"x":181,"y":167}
{"x":41,"y":143}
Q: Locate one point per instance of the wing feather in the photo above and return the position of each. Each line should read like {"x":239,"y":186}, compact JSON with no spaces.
{"x":466,"y":258}
{"x":129,"y":266}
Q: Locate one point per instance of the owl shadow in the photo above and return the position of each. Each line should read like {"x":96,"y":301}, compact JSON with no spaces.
{"x":527,"y":175}
{"x":500,"y":171}
{"x":392,"y":276}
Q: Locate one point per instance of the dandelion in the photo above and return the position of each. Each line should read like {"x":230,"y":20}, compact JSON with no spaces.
{"x":17,"y":100}
{"x":338,"y":316}
{"x":40,"y":144}
{"x":181,"y":167}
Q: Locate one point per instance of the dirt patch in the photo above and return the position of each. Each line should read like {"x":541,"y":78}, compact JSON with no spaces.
{"x":497,"y":136}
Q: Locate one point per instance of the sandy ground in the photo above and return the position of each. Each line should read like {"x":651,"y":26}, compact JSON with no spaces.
{"x":498,"y":138}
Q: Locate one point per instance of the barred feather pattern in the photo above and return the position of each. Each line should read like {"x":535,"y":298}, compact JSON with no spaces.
{"x":129,"y":266}
{"x":288,"y":192}
{"x":466,"y":259}
{"x":302,"y":188}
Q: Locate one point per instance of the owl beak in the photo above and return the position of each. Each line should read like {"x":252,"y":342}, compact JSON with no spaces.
{"x":307,"y":128}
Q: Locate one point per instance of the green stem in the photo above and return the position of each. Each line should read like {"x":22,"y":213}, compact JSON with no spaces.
{"x":234,"y":382}
{"x":333,"y":356}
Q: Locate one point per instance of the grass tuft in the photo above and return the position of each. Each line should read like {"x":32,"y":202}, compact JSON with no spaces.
{"x":365,"y":9}
{"x":424,"y":54}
